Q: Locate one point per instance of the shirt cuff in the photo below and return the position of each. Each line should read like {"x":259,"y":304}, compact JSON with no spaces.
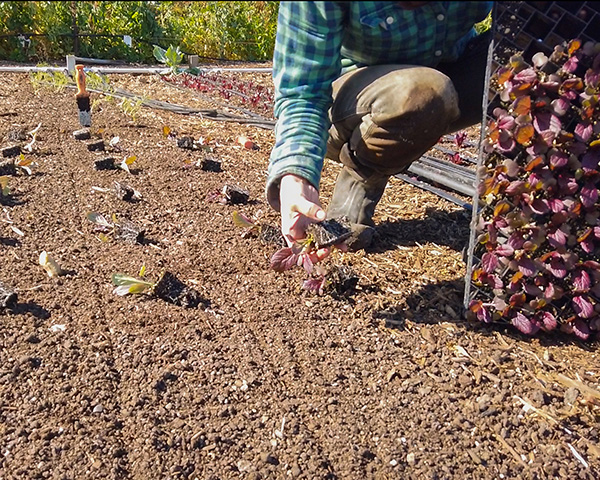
{"x":302,"y":167}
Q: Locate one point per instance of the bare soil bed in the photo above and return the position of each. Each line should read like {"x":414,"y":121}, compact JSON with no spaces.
{"x":262,"y":379}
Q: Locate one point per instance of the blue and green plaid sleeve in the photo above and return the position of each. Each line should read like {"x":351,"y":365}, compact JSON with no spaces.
{"x":315,"y":39}
{"x":306,"y":61}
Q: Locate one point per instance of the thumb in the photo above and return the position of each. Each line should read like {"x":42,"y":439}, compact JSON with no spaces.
{"x":310,"y":210}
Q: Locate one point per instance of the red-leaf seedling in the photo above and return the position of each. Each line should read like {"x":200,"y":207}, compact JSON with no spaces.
{"x":539,"y":226}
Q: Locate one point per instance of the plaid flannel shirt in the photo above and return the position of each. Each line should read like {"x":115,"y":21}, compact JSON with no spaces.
{"x":318,"y":41}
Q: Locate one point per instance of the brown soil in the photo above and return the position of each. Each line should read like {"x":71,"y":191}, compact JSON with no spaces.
{"x":262,"y":379}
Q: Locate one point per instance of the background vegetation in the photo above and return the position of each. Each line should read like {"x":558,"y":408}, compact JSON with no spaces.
{"x":44,"y":31}
{"x":220,"y":30}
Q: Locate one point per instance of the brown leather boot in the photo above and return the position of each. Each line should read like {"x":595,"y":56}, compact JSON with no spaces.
{"x":355,"y":196}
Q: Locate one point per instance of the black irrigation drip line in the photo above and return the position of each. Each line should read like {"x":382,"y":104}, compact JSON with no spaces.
{"x":430,"y":168}
{"x":213,"y":114}
{"x":438,"y":191}
{"x":460,"y":173}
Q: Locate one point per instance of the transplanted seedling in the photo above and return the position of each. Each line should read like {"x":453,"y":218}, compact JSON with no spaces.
{"x":319,"y":235}
{"x":51,"y":266}
{"x":229,"y":195}
{"x":110,"y":163}
{"x":340,"y":280}
{"x":12,"y":166}
{"x":122,"y":191}
{"x":267,"y":234}
{"x":119,"y":229}
{"x":4,"y":189}
{"x":168,"y":288}
{"x":8,"y":297}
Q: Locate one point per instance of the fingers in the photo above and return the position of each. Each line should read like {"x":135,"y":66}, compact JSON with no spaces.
{"x":320,"y":255}
{"x":309,"y":209}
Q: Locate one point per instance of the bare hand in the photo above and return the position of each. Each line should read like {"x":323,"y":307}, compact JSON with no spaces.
{"x":300,"y":207}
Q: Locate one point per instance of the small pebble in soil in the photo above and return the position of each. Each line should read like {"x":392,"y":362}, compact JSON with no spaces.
{"x":571,"y":396}
{"x":410,"y":459}
{"x":98,"y":408}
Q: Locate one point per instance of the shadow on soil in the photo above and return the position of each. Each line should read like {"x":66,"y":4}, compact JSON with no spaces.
{"x":9,"y":242}
{"x":439,"y":227}
{"x":31,"y":308}
{"x":442,"y":301}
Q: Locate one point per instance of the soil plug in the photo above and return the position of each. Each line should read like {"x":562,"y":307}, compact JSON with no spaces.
{"x":168,"y":288}
{"x":126,"y":193}
{"x":8,"y":297}
{"x":129,"y":232}
{"x":229,"y":195}
{"x":172,"y":290}
{"x":7,"y":167}
{"x":343,"y":280}
{"x":107,"y":163}
{"x":49,"y":264}
{"x":83,"y":98}
{"x":96,"y":146}
{"x":235,"y":195}
{"x":11,"y":151}
{"x":268,"y":234}
{"x":210,"y":165}
{"x":330,"y":232}
{"x":83,"y":134}
{"x":186,"y":143}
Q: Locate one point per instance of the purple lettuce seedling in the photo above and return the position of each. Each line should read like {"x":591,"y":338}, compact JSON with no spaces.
{"x":539,"y":228}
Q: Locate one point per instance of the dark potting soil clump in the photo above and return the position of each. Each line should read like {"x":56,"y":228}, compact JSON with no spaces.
{"x":211,"y":165}
{"x":186,"y":143}
{"x":271,"y":235}
{"x":8,"y":297}
{"x":124,"y":192}
{"x":343,"y":280}
{"x":330,"y":232}
{"x":7,"y":167}
{"x":107,"y":163}
{"x":170,"y":289}
{"x":129,"y":232}
{"x":235,"y":195}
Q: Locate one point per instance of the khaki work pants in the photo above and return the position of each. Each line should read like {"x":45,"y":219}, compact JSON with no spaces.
{"x":384,"y":117}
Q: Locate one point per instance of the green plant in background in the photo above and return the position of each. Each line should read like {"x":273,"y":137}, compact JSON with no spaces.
{"x":172,"y":57}
{"x":57,"y":81}
{"x":132,"y":107}
{"x":231,"y":30}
